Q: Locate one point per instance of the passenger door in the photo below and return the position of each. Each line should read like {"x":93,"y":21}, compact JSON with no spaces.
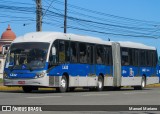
{"x":92,"y":69}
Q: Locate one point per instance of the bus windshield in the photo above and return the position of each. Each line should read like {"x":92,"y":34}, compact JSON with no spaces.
{"x":29,"y":55}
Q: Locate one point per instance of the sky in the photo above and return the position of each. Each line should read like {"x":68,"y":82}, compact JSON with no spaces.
{"x":118,"y":20}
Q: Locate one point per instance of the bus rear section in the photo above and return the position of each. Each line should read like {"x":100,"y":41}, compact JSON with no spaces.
{"x":138,"y":65}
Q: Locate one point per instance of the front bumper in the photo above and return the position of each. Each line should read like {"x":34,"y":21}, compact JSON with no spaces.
{"x":27,"y":82}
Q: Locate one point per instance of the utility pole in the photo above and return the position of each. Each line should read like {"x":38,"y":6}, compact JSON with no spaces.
{"x":38,"y":15}
{"x":65,"y":17}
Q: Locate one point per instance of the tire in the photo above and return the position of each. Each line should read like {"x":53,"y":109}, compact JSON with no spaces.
{"x":64,"y":84}
{"x":100,"y":85}
{"x":27,"y":89}
{"x":142,"y":86}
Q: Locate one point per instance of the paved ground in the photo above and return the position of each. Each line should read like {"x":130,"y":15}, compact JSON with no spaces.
{"x":149,"y":96}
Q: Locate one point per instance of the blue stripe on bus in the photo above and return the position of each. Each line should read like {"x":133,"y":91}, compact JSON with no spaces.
{"x":83,"y":70}
{"x":138,"y":71}
{"x":80,"y":69}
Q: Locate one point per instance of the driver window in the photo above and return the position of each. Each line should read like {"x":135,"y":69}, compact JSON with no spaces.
{"x":53,"y":58}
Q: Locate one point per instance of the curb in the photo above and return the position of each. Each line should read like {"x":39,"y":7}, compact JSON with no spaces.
{"x":5,"y":88}
{"x":154,"y":85}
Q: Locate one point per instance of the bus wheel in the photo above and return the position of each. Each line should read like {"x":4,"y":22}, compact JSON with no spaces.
{"x":27,"y":89}
{"x":100,"y":83}
{"x":142,"y":86}
{"x":64,"y":84}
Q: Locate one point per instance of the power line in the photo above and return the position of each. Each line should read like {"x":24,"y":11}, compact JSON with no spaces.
{"x":109,"y":15}
{"x":56,"y":14}
{"x":48,"y":8}
{"x":107,"y":33}
{"x":89,"y":23}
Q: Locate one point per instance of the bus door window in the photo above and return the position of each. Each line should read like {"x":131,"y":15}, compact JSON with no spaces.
{"x":73,"y":52}
{"x":64,"y":51}
{"x":82,"y":53}
{"x":61,"y":51}
{"x":125,"y":56}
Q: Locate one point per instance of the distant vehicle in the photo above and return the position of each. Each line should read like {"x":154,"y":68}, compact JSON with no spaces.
{"x":67,"y":61}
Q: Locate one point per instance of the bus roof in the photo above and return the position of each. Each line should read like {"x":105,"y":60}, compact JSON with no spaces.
{"x":135,"y":45}
{"x":52,"y":36}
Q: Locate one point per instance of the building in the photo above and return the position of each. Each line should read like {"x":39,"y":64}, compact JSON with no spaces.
{"x":6,"y":39}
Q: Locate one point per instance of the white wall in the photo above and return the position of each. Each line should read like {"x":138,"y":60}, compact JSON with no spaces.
{"x":2,"y":61}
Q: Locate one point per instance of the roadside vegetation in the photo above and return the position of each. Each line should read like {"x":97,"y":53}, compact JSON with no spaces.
{"x":1,"y":80}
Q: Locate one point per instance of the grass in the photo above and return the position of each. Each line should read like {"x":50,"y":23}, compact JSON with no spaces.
{"x":153,"y":85}
{"x":1,"y":80}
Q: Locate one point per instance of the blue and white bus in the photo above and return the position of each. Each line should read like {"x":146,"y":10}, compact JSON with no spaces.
{"x":66,"y":61}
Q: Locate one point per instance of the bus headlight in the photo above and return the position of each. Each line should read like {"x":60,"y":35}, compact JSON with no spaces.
{"x":40,"y":75}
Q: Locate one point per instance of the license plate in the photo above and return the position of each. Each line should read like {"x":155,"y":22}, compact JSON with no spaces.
{"x":21,"y":82}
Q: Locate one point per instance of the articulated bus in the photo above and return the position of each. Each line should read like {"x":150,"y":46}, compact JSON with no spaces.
{"x":67,"y":61}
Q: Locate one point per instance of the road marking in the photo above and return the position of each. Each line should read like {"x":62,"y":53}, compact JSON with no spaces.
{"x":43,"y":97}
{"x":130,"y":93}
{"x":95,"y":95}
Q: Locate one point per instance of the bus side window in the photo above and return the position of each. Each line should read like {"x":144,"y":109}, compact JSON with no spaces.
{"x":82,"y":53}
{"x":154,"y":58}
{"x":142,"y":58}
{"x":100,"y":54}
{"x":108,"y":55}
{"x":125,"y":56}
{"x":88,"y":54}
{"x":136,"y":56}
{"x":131,"y":56}
{"x":74,"y":52}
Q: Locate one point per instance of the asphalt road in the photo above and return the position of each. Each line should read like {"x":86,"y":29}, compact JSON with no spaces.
{"x":149,"y":96}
